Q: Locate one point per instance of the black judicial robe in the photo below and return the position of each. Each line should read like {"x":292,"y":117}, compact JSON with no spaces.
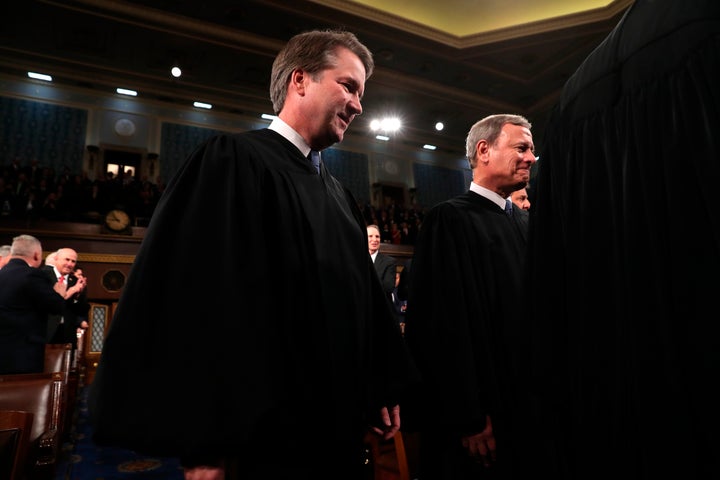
{"x":463,"y":327}
{"x":624,"y":254}
{"x":252,"y":305}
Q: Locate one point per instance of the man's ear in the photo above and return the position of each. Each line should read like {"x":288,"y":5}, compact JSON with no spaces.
{"x":482,"y":148}
{"x":298,"y":77}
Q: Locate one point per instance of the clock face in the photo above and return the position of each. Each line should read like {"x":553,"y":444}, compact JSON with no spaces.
{"x":117,"y":220}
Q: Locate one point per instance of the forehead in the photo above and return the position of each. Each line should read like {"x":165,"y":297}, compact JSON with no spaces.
{"x":67,"y":255}
{"x":373,"y":230}
{"x":516,"y":133}
{"x":349,"y":65}
{"x":346,"y":58}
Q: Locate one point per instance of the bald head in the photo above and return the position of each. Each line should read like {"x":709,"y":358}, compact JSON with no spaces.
{"x":65,"y":260}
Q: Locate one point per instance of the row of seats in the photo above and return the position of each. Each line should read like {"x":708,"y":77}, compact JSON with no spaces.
{"x":37,"y":414}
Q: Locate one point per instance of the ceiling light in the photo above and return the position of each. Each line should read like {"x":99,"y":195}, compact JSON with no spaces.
{"x":202,"y":105}
{"x":439,"y":126}
{"x":429,"y":147}
{"x":382,"y":137}
{"x":389,"y":124}
{"x":175,"y":71}
{"x":267,"y":116}
{"x":125,"y":91}
{"x":40,"y":76}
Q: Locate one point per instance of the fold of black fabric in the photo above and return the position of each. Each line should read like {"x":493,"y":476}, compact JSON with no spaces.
{"x":624,"y":249}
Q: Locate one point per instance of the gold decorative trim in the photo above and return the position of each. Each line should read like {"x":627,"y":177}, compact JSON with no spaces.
{"x":103,"y":258}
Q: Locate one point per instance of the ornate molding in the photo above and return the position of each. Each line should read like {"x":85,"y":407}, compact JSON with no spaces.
{"x":102,"y":258}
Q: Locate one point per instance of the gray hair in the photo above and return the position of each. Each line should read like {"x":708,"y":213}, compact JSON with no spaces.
{"x":313,"y":52}
{"x":489,"y":129}
{"x":25,"y":246}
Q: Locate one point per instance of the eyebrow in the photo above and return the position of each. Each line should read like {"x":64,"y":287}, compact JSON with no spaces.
{"x":353,"y":83}
{"x":526,"y":145}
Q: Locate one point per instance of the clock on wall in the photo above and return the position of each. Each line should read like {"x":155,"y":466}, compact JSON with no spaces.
{"x":117,"y":221}
{"x":125,"y":127}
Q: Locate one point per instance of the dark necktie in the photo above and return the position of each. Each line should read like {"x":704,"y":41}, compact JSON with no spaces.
{"x":314,"y":157}
{"x":508,"y":208}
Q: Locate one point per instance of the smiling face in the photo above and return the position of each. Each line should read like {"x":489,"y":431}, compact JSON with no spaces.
{"x":65,"y":260}
{"x":373,"y":239}
{"x":322,"y":106}
{"x":508,"y":161}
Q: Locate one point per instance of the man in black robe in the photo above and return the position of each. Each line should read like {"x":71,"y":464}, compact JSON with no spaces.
{"x":463,"y":317}
{"x":273,"y":362}
{"x":624,"y":254}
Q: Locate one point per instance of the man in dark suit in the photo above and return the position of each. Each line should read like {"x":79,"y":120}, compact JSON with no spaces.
{"x":26,"y":299}
{"x":385,"y":265}
{"x":62,"y":327}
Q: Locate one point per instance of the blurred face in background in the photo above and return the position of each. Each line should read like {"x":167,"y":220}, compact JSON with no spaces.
{"x":65,"y":261}
{"x":520,"y":199}
{"x":373,"y":239}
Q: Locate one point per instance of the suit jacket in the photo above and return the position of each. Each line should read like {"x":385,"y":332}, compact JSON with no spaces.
{"x":26,"y":299}
{"x":62,"y":327}
{"x":385,"y":266}
{"x":522,"y":219}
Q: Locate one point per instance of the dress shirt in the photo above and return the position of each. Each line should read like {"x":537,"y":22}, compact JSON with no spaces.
{"x":291,"y":135}
{"x":489,"y":194}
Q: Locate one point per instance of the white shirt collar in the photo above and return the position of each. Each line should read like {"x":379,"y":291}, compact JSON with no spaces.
{"x":489,"y":194}
{"x":373,"y":255}
{"x":279,"y":126}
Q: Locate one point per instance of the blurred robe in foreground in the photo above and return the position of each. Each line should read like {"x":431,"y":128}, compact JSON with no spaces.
{"x":625,"y":252}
